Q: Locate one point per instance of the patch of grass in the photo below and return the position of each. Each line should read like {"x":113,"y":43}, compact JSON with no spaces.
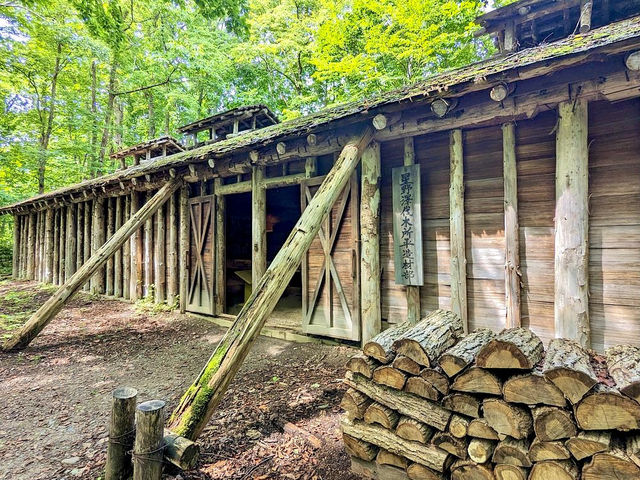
{"x":148,"y":305}
{"x":8,"y":323}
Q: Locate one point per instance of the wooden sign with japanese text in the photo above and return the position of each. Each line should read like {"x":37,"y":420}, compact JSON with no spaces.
{"x":407,"y":225}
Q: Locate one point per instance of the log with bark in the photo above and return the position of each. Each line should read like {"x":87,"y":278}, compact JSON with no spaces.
{"x":606,"y":409}
{"x":611,"y":465}
{"x":467,"y":470}
{"x":554,"y":469}
{"x":479,"y":428}
{"x":429,"y":338}
{"x":568,"y":366}
{"x":459,"y":426}
{"x":428,"y":455}
{"x":541,"y":451}
{"x":480,"y":450}
{"x":405,"y":364}
{"x":455,"y":446}
{"x":389,"y":376}
{"x":436,"y":378}
{"x":415,"y":471}
{"x":512,"y":452}
{"x":362,"y":364}
{"x":587,"y":444}
{"x":508,"y":419}
{"x":463,"y":404}
{"x":514,"y":348}
{"x":510,"y":472}
{"x":385,"y":457}
{"x":380,"y":346}
{"x":412,"y":406}
{"x":464,"y":353}
{"x":533,"y":389}
{"x":551,"y":423}
{"x":382,"y":415}
{"x":359,"y":448}
{"x":623,"y":362}
{"x":413,"y":430}
{"x":477,"y":380}
{"x":355,"y":404}
{"x":419,"y":386}
{"x":375,"y":470}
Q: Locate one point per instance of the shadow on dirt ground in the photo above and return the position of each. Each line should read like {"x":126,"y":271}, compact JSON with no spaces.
{"x":55,"y":395}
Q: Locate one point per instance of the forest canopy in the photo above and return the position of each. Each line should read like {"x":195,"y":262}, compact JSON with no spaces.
{"x":82,"y":78}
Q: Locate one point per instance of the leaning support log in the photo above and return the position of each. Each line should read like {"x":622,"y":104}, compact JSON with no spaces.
{"x":54,"y":304}
{"x":121,"y":434}
{"x":572,"y":224}
{"x":202,"y":397}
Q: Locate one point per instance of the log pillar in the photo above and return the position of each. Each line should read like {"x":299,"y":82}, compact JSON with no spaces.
{"x":37,"y":264}
{"x":184,"y":246}
{"x":48,"y":233}
{"x":86,"y":247}
{"x":572,"y":223}
{"x":23,"y":247}
{"x":56,"y":247}
{"x":110,"y":225}
{"x":79,"y":234}
{"x":159,"y":265}
{"x":413,"y":291}
{"x":172,"y":253}
{"x":370,"y":294}
{"x":511,"y":227}
{"x":258,"y":225}
{"x":97,"y":281}
{"x":126,"y":253}
{"x":220,"y":253}
{"x":457,"y":232}
{"x":70,"y":249}
{"x":148,"y":253}
{"x":136,"y":253}
{"x":62,"y":243}
{"x":117,"y":257}
{"x":16,"y":251}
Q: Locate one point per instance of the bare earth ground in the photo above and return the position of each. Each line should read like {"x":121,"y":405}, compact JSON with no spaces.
{"x":55,"y":396}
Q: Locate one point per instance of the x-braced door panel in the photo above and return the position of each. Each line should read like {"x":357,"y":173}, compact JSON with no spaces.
{"x":330,"y":269}
{"x":200,"y":296}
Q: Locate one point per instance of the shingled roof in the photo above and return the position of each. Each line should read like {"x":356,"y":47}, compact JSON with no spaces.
{"x":527,"y":63}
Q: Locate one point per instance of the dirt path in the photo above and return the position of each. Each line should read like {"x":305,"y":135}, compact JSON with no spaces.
{"x":55,"y":396}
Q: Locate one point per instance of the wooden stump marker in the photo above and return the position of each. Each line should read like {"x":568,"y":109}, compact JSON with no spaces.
{"x":121,"y":434}
{"x":148,"y":450}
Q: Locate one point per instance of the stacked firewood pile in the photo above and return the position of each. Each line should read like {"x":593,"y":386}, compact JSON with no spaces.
{"x":427,"y":402}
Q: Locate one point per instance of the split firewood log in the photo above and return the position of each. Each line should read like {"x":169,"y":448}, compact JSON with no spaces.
{"x":611,"y":465}
{"x":477,"y":380}
{"x":510,"y":472}
{"x":407,"y":404}
{"x":405,"y":364}
{"x":466,"y":470}
{"x":419,"y":386}
{"x":355,"y":403}
{"x":429,"y":338}
{"x":551,"y":423}
{"x":359,"y":448}
{"x":380,"y":346}
{"x":606,"y":409}
{"x":459,"y":426}
{"x":415,"y":471}
{"x":455,"y":446}
{"x":362,"y":364}
{"x":540,"y":451}
{"x":479,"y":428}
{"x":508,"y":419}
{"x":376,"y":470}
{"x":428,"y":455}
{"x":463,"y":354}
{"x":533,"y":389}
{"x":386,"y":375}
{"x":382,"y":415}
{"x":463,"y":404}
{"x":513,"y":348}
{"x":568,"y":366}
{"x":587,"y":444}
{"x":554,"y":469}
{"x":512,"y":452}
{"x":385,"y":457}
{"x":632,"y":448}
{"x":624,"y":366}
{"x":437,"y":378}
{"x":413,"y":430}
{"x":480,"y":450}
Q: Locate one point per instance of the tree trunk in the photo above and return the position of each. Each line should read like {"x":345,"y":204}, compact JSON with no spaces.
{"x":106,"y":128}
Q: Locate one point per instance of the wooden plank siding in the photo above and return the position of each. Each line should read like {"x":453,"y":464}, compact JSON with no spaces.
{"x":614,"y":223}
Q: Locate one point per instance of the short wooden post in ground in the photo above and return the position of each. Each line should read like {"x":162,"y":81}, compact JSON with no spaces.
{"x":121,"y":434}
{"x":148,"y":449}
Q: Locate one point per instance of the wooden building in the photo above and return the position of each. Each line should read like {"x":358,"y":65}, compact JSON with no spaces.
{"x":148,"y":151}
{"x":529,"y":196}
